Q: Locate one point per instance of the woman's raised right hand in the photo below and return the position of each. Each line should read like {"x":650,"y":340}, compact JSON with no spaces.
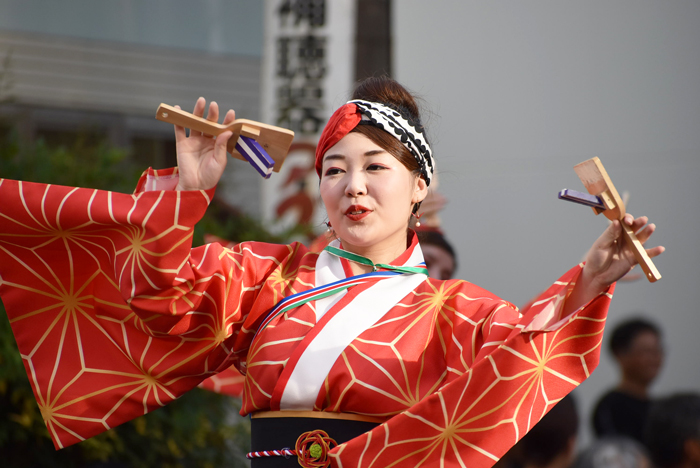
{"x":201,"y":159}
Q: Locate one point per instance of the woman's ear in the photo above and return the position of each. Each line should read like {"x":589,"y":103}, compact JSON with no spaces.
{"x":421,"y":191}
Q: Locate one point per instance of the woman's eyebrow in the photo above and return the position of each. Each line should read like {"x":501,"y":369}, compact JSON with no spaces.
{"x":331,"y":157}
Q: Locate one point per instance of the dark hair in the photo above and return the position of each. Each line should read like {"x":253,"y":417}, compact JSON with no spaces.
{"x":436,"y":238}
{"x":612,"y":452}
{"x":624,"y":334}
{"x":671,"y":422}
{"x":389,"y":92}
{"x":550,"y":437}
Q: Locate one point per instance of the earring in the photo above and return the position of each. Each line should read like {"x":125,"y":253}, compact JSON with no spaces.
{"x":328,"y":225}
{"x":417,"y":218}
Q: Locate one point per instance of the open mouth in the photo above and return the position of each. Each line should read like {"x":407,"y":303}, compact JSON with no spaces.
{"x":357,"y":212}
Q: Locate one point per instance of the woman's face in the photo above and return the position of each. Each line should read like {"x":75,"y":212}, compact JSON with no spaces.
{"x":368,"y":194}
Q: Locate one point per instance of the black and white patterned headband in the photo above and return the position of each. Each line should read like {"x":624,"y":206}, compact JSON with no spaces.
{"x":392,"y":122}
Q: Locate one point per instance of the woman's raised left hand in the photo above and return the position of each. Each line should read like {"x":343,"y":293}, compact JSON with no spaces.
{"x":611,"y":256}
{"x":609,"y":259}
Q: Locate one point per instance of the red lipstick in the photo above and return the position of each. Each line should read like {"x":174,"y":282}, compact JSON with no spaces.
{"x":357,"y":212}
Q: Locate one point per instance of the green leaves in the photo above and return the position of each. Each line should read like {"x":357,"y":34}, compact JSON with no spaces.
{"x":88,"y":161}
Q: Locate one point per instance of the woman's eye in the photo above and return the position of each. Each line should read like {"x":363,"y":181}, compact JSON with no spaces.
{"x":375,"y":167}
{"x":333,"y":171}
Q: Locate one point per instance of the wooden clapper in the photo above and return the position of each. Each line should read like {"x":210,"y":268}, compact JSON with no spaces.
{"x":603,"y":198}
{"x":264,"y":146}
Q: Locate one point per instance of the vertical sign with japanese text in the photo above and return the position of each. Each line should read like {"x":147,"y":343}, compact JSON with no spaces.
{"x":307,"y":74}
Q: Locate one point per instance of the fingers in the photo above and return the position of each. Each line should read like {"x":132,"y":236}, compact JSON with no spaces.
{"x":656,"y":251}
{"x":643,"y":231}
{"x":180,"y":133}
{"x":638,"y":223}
{"x":220,"y":147}
{"x":644,"y":234}
{"x":611,"y":235}
{"x":229,"y":117}
{"x":213,"y":114}
{"x":199,"y":112}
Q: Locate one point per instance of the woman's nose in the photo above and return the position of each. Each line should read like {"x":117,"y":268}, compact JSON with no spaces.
{"x":356,"y":184}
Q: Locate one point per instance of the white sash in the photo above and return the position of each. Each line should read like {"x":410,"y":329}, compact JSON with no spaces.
{"x":307,"y":377}
{"x":329,"y":270}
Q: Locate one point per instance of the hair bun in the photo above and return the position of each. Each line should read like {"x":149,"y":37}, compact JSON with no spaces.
{"x":389,"y":92}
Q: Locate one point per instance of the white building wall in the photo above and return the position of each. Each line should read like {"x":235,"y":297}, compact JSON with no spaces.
{"x":112,"y":69}
{"x":519,"y":92}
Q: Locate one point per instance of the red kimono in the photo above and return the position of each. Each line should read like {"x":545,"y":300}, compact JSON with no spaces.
{"x":115,"y":315}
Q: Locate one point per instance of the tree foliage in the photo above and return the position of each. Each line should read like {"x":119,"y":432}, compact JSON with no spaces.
{"x":200,"y":429}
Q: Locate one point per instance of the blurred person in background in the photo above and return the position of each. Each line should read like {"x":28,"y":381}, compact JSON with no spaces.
{"x":673,"y":431}
{"x":439,"y":256}
{"x":636,"y":346}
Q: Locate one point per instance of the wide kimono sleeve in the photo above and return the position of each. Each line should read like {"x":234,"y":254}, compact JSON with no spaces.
{"x":113,"y":312}
{"x":516,"y":367}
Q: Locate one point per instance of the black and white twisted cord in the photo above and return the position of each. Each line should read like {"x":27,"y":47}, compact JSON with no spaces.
{"x":411,"y":136}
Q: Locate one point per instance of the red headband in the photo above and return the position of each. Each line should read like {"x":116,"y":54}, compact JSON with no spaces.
{"x":340,"y":124}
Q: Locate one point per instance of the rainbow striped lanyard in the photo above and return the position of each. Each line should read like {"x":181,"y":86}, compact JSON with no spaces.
{"x":319,"y":292}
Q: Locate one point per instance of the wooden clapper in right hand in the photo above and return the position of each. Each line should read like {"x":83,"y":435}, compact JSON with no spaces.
{"x":605,"y":199}
{"x":264,"y":146}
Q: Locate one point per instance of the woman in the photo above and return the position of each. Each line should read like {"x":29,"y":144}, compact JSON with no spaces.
{"x":340,"y":341}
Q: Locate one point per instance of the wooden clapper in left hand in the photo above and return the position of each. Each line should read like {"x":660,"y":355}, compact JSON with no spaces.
{"x":264,"y":146}
{"x":603,"y":197}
